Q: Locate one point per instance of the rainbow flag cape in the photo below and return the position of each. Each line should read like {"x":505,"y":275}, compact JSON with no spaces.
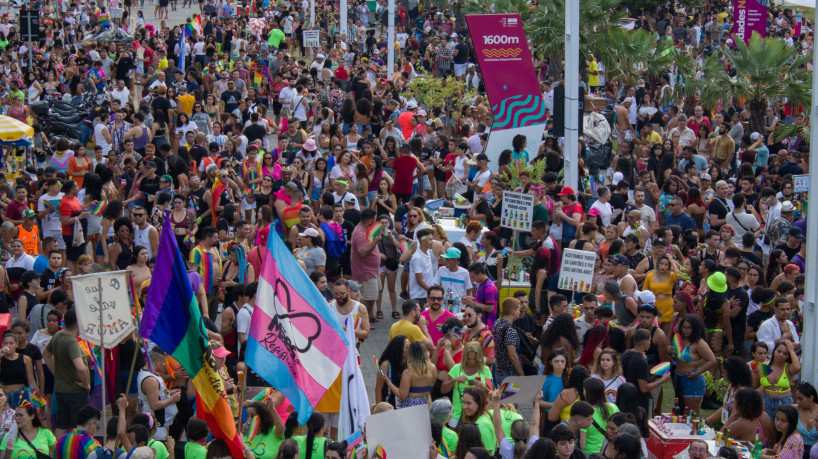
{"x":100,"y":207}
{"x":373,"y":231}
{"x":171,"y":319}
{"x":294,"y":344}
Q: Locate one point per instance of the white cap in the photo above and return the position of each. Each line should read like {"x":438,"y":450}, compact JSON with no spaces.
{"x":755,"y":136}
{"x":310,"y":232}
{"x":411,"y":105}
{"x":706,"y":176}
{"x":320,"y":56}
{"x":617,"y":177}
{"x":647,"y":297}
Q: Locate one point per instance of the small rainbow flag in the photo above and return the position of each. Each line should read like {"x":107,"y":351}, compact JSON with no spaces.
{"x":480,"y":252}
{"x":373,"y":231}
{"x":444,"y":449}
{"x":189,"y":239}
{"x":676,"y":343}
{"x":377,"y":365}
{"x":507,"y":390}
{"x":100,"y":207}
{"x":379,"y":452}
{"x":37,"y":399}
{"x":765,"y":370}
{"x":660,"y":369}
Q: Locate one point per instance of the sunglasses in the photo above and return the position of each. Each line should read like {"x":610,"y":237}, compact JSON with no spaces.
{"x":138,"y":215}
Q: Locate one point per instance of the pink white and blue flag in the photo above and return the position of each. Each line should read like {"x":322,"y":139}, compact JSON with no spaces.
{"x":296,"y":343}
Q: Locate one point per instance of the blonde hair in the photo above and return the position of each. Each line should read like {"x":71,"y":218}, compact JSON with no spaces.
{"x":417,"y":362}
{"x":473,"y":347}
{"x":440,"y":233}
{"x":616,"y":370}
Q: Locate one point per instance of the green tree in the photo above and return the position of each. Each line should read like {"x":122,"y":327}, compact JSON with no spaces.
{"x":631,"y":54}
{"x":763,"y":70}
{"x":432,"y":92}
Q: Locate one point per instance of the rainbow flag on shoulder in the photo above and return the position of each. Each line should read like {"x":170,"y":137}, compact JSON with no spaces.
{"x":295,"y":343}
{"x":172,"y":320}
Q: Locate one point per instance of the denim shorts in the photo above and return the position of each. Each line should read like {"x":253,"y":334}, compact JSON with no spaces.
{"x":691,"y":388}
{"x":771,"y":404}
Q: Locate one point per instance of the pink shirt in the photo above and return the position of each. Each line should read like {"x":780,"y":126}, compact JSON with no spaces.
{"x":366,"y":267}
{"x":435,"y":332}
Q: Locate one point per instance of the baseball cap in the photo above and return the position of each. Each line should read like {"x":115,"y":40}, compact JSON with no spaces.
{"x":618,"y":260}
{"x":755,"y":136}
{"x":411,"y":105}
{"x":309,"y":232}
{"x":28,"y":213}
{"x":632,"y":237}
{"x":647,"y":298}
{"x":350,"y":198}
{"x":566,"y":190}
{"x":320,"y":56}
{"x":706,"y":176}
{"x":221,"y":352}
{"x":617,"y":177}
{"x":451,"y":253}
{"x":794,"y":231}
{"x":612,"y":288}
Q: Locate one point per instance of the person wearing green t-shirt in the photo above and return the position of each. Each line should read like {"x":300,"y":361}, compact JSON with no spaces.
{"x":266,"y":430}
{"x":31,"y":435}
{"x":441,"y":411}
{"x":595,"y":433}
{"x":471,"y":371}
{"x":475,"y":412}
{"x":197,"y":433}
{"x":511,"y":429}
{"x":313,"y":444}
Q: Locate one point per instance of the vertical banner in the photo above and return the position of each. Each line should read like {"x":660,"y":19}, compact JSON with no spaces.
{"x":511,"y":83}
{"x":117,"y":322}
{"x":749,"y":16}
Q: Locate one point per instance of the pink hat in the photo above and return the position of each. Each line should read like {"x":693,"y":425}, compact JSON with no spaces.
{"x":309,"y":145}
{"x":221,"y":352}
{"x":422,"y":112}
{"x":594,"y":212}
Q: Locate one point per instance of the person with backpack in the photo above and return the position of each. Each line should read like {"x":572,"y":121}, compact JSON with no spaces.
{"x":109,"y":450}
{"x":336,"y":243}
{"x":79,"y":443}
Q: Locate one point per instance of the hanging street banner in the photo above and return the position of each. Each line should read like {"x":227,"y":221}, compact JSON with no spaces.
{"x":511,"y":83}
{"x":115,"y":302}
{"x":749,"y":16}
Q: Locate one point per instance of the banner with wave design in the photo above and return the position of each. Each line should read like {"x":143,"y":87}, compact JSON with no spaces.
{"x":511,"y":84}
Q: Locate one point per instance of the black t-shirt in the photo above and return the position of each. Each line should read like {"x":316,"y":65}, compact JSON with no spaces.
{"x":750,"y":256}
{"x":739,"y":322}
{"x":619,"y":201}
{"x":231,"y":100}
{"x":526,"y":323}
{"x":635,"y":367}
{"x":149,"y":186}
{"x":125,"y":65}
{"x":789,"y":251}
{"x":718,"y":207}
{"x":48,"y":280}
{"x":754,"y":320}
{"x":462,"y":53}
{"x":254,"y":132}
{"x":161,"y":103}
{"x":32,"y":351}
{"x":224,"y":225}
{"x":352,"y":215}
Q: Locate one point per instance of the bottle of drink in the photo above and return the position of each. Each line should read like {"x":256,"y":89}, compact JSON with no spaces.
{"x":757,"y":449}
{"x":677,"y":410}
{"x":726,"y":437}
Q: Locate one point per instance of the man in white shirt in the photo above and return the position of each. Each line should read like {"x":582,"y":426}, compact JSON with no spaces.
{"x":602,"y":206}
{"x":770,"y":331}
{"x":246,"y":298}
{"x":121,"y":93}
{"x":285,"y":97}
{"x":340,"y":193}
{"x":421,"y":270}
{"x":474,"y":141}
{"x":452,"y":277}
{"x":686,"y":135}
{"x":301,"y":104}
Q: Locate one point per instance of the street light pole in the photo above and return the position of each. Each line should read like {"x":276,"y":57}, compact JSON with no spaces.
{"x":809,"y":340}
{"x":390,"y":37}
{"x":571,"y":94}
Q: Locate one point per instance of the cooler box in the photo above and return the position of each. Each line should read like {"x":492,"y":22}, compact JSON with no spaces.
{"x":5,"y":322}
{"x":663,"y":444}
{"x":461,"y":210}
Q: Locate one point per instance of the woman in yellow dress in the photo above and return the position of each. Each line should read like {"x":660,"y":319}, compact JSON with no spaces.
{"x":662,"y":282}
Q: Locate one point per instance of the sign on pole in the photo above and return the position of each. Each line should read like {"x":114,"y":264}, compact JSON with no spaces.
{"x":109,"y":316}
{"x":576,"y":270}
{"x":312,"y":38}
{"x":800,"y":183}
{"x":749,"y":16}
{"x":29,"y":25}
{"x":517,"y":211}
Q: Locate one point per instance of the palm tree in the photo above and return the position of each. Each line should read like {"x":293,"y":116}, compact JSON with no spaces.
{"x":689,"y":84}
{"x":764,"y":70}
{"x":631,"y":54}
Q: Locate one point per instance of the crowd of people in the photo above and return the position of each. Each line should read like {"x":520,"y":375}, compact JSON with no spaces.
{"x":233,"y":134}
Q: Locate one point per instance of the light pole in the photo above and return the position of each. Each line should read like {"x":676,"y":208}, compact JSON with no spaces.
{"x":571,"y":93}
{"x":809,"y":340}
{"x":390,"y":37}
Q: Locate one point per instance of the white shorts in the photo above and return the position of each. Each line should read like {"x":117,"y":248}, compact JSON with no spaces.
{"x":460,"y":69}
{"x":246,"y":205}
{"x":369,"y":290}
{"x":56,"y":234}
{"x":384,"y":269}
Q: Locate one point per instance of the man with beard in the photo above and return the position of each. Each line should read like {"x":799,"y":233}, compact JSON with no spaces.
{"x":436,"y":315}
{"x":348,"y":311}
{"x":476,"y":330}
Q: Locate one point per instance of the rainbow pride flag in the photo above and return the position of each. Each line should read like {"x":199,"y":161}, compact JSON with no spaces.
{"x":195,"y":24}
{"x":294,"y":343}
{"x":171,"y":319}
{"x":100,"y":207}
{"x":373,"y":231}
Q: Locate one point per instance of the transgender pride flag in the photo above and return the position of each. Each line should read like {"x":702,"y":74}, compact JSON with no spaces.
{"x":295,"y":344}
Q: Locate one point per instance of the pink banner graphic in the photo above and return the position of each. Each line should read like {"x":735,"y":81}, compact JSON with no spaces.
{"x":511,"y":83}
{"x":749,"y":16}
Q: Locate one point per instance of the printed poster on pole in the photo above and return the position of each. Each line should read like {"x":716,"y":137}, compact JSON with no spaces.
{"x":577,"y":271}
{"x":312,"y":38}
{"x":517,"y":211}
{"x":117,"y":322}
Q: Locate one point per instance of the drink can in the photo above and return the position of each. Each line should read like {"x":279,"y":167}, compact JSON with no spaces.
{"x":675,"y":419}
{"x":695,"y":427}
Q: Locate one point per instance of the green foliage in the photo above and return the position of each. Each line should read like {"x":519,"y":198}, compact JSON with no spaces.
{"x":536,"y":169}
{"x":432,"y":92}
{"x":629,"y":54}
{"x":719,"y":386}
{"x":782,"y":131}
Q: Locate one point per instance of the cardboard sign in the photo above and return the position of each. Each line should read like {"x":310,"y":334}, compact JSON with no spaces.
{"x":311,"y":38}
{"x":517,"y":211}
{"x":577,"y":271}
{"x":114,"y":300}
{"x":800,"y":183}
{"x":520,"y":389}
{"x":415,"y":433}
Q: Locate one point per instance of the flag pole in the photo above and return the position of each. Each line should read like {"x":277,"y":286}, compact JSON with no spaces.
{"x":102,"y":348}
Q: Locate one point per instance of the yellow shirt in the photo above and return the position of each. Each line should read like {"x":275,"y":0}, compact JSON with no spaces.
{"x":162,"y":64}
{"x":186,"y":103}
{"x":408,"y":329}
{"x":593,"y":80}
{"x":654,"y":137}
